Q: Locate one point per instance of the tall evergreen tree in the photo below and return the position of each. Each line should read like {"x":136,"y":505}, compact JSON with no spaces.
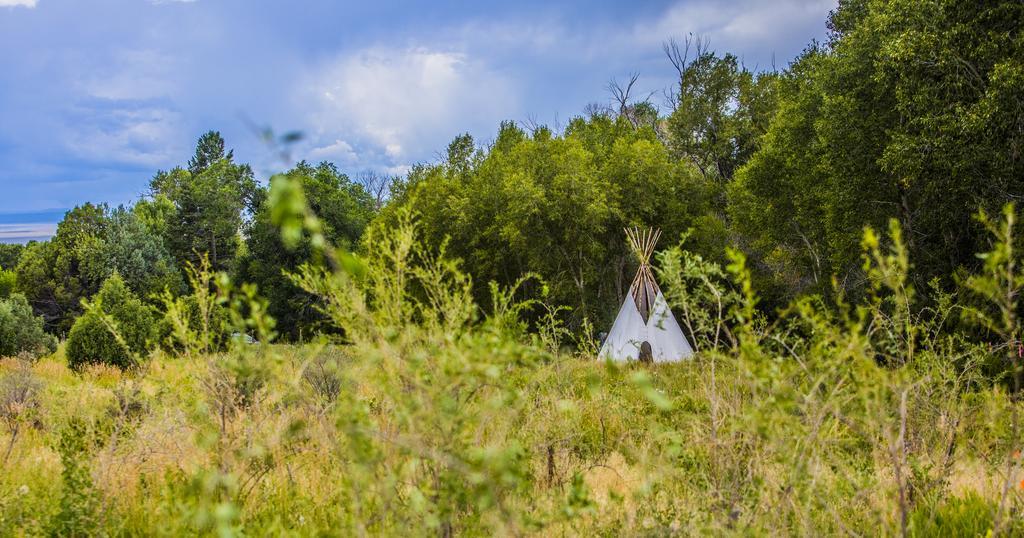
{"x":211,"y":200}
{"x":209,"y":149}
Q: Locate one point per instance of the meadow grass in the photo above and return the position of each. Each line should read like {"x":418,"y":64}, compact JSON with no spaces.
{"x":563,"y":446}
{"x":435,"y":419}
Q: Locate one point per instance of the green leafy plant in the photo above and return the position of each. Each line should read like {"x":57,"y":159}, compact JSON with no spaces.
{"x":8,"y":282}
{"x":116,"y":329}
{"x":21,"y":330}
{"x":19,"y":405}
{"x":79,"y":513}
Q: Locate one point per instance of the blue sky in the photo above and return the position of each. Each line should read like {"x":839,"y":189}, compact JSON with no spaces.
{"x":97,"y":95}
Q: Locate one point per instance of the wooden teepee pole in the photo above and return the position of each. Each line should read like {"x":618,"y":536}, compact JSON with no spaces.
{"x":643,"y":288}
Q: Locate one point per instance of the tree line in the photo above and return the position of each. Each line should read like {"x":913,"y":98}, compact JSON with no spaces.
{"x":909,"y":110}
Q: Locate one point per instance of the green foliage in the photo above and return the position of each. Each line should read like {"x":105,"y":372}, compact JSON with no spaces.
{"x":79,"y":506}
{"x":34,"y":279}
{"x":345,"y":209}
{"x":437,"y":416}
{"x":209,"y":150}
{"x":92,"y":243}
{"x":554,"y":206}
{"x":439,"y":380}
{"x":21,"y":330}
{"x":210,"y":200}
{"x":10,"y":253}
{"x":19,"y":406}
{"x":117,"y":329}
{"x":996,"y":288}
{"x":130,"y":249}
{"x":911,"y":111}
{"x":155,"y":213}
{"x":8,"y":282}
{"x":720,"y":109}
{"x":9,"y":256}
{"x":967,"y":516}
{"x":196,"y":323}
{"x":238,"y":378}
{"x":50,"y":273}
{"x":701,"y":295}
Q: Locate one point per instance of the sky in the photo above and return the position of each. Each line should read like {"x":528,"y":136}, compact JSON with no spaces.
{"x":97,"y":95}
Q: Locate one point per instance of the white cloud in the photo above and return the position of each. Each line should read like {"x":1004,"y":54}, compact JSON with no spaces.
{"x":537,"y":36}
{"x":400,"y":104}
{"x":124,"y":110}
{"x":15,"y":3}
{"x":398,"y":170}
{"x":338,"y":150}
{"x":747,"y":28}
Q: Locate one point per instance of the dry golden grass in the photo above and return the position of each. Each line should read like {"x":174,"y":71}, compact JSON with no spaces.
{"x":721,"y":477}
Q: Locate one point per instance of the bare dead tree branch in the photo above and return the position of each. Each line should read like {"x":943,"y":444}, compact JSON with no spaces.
{"x":376,"y":184}
{"x":679,"y":56}
{"x":620,"y":93}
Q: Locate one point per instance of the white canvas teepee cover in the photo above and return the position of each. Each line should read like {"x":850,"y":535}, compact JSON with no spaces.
{"x":628,"y":332}
{"x":666,"y":337}
{"x":660,"y":330}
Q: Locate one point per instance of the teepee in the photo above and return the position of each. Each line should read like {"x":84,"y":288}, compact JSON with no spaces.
{"x":645,"y":328}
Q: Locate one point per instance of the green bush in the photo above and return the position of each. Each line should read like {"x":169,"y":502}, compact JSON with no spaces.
{"x":20,"y":330}
{"x":8,"y":279}
{"x":198,"y":322}
{"x":115,"y":329}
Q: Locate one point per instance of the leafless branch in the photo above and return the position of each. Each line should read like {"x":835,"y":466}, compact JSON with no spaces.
{"x":377,"y":184}
{"x":620,"y":93}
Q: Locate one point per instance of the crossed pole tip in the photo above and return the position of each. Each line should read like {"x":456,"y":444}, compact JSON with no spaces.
{"x":643,"y":241}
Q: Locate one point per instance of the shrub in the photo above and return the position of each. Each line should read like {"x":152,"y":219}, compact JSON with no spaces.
{"x":79,"y":503}
{"x":20,"y":331}
{"x":19,"y":404}
{"x":8,"y":280}
{"x":323,"y":375}
{"x":196,"y":323}
{"x":115,"y":329}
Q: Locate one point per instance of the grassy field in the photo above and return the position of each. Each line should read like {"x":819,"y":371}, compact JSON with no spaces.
{"x":437,"y":418}
{"x":553,"y":445}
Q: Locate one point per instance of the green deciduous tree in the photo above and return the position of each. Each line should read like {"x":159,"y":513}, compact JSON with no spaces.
{"x":8,"y":282}
{"x":720,"y":108}
{"x":911,"y":110}
{"x":21,"y":330}
{"x":555,"y":205}
{"x":9,"y":254}
{"x":92,"y":243}
{"x":51,"y":274}
{"x":344,"y":208}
